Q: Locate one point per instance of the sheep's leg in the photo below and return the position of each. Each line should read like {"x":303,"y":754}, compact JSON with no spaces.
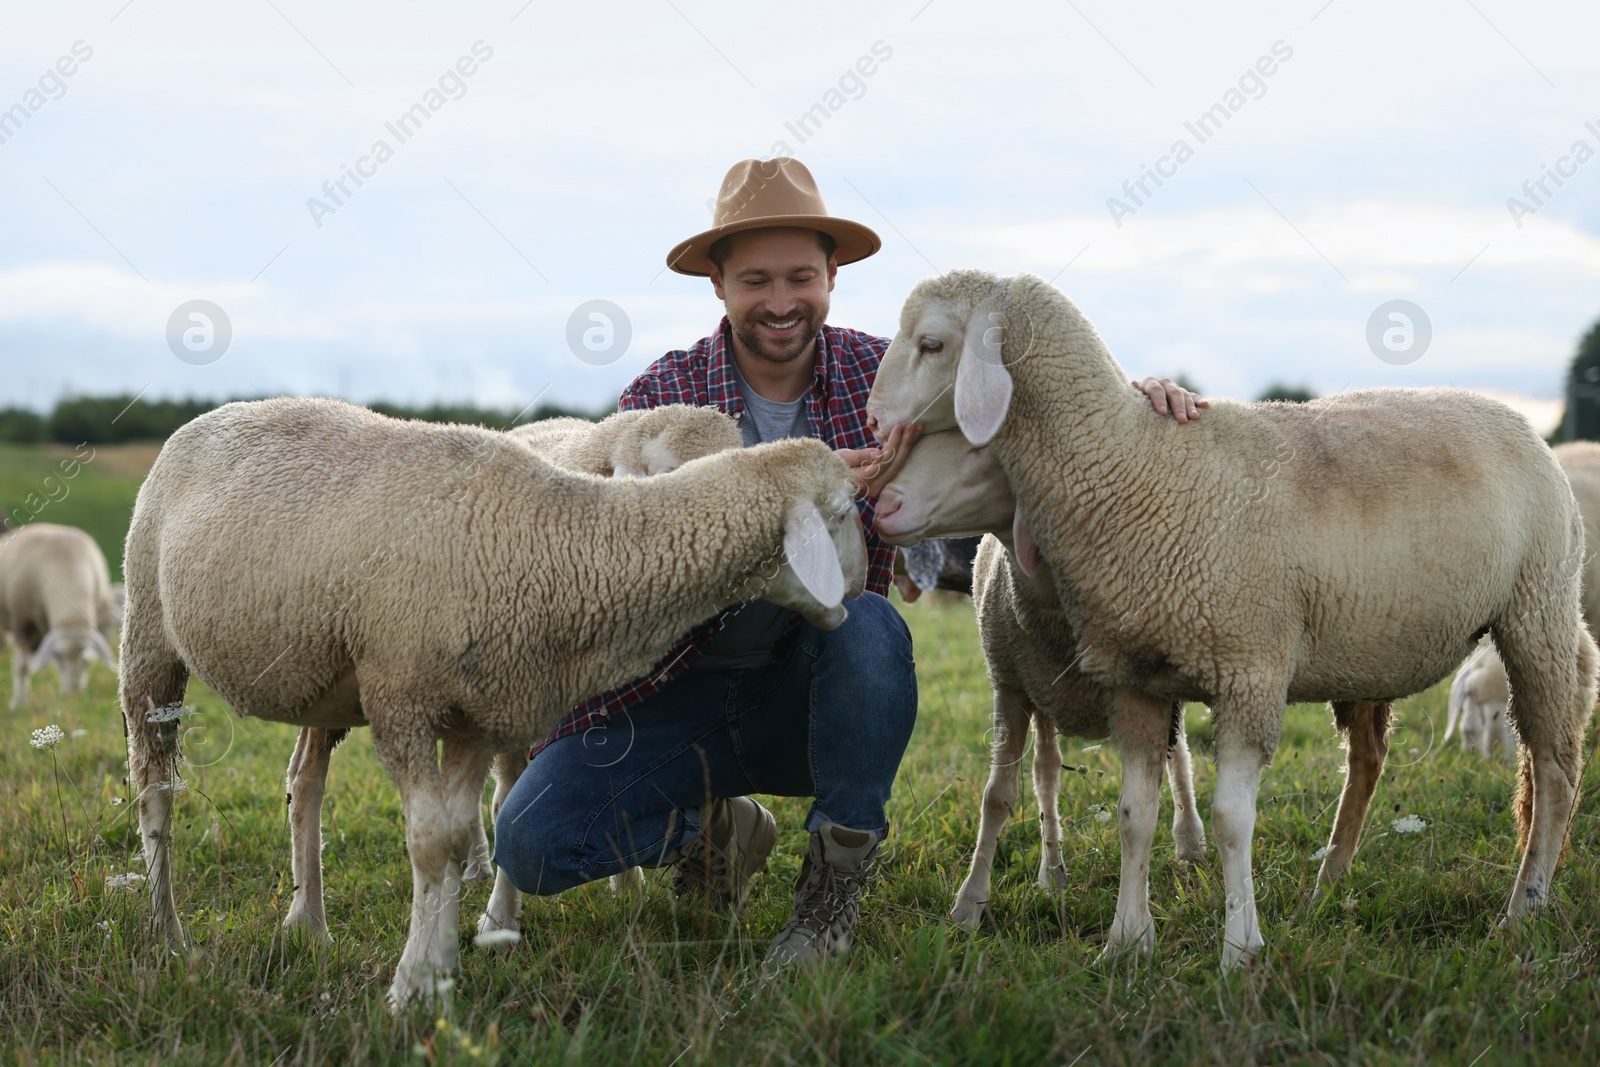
{"x":410,"y":756}
{"x":1140,"y":726}
{"x":1047,"y":793}
{"x":465,"y":766}
{"x":152,"y":677}
{"x":20,"y":662}
{"x":1552,"y":676}
{"x":1504,"y":736}
{"x":1011,"y":716}
{"x":1239,"y":763}
{"x":1188,"y":832}
{"x":505,"y":902}
{"x":1365,"y":725}
{"x":306,"y":783}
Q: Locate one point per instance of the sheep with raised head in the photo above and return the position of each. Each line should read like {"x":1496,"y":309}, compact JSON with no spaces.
{"x":1320,"y":542}
{"x":624,"y":444}
{"x":321,"y":565}
{"x":947,"y":488}
{"x":56,"y":604}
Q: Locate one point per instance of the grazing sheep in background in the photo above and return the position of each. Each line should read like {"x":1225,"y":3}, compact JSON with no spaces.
{"x":1580,"y":462}
{"x":632,"y":444}
{"x":937,"y":563}
{"x":1320,"y":544}
{"x":318,"y":564}
{"x":627,"y":443}
{"x":56,"y":603}
{"x":947,"y":487}
{"x":1479,"y":698}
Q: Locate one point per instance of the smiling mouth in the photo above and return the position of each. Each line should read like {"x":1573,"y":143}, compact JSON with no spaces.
{"x":785,"y":326}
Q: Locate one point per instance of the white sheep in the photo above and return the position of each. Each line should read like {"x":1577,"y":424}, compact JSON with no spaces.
{"x":626,"y":443}
{"x":56,"y":604}
{"x":632,"y":444}
{"x":948,"y":488}
{"x":1269,"y":553}
{"x":318,"y":564}
{"x":1479,"y":699}
{"x":1479,"y":695}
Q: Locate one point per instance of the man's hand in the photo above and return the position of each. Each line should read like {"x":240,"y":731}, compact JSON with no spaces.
{"x":875,"y":468}
{"x":1170,"y":398}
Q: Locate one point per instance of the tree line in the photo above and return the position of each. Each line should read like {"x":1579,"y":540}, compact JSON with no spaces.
{"x":113,"y":419}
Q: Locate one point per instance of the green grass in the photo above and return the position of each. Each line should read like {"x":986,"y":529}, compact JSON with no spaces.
{"x":91,"y":487}
{"x":1404,"y":965}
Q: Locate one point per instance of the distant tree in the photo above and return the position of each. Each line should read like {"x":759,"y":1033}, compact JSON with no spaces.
{"x":1583,"y":390}
{"x":1278,"y":391}
{"x":20,"y":424}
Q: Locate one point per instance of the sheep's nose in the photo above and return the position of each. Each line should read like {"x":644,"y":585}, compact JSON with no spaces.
{"x":888,"y":503}
{"x":872,"y":425}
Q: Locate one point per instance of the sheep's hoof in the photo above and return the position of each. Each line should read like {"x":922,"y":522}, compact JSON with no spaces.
{"x":967,"y":913}
{"x":1052,"y":877}
{"x":489,"y":924}
{"x":1235,"y":956}
{"x":1119,"y":945}
{"x":1192,"y":848}
{"x":629,"y":881}
{"x":301,"y":925}
{"x":477,"y":869}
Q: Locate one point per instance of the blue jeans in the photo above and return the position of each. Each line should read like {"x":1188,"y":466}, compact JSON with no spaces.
{"x":830,"y":721}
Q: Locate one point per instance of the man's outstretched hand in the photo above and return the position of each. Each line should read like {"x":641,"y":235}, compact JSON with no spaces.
{"x":1170,"y":398}
{"x":875,"y":468}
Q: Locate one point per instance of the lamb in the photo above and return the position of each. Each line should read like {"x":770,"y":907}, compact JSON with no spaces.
{"x":318,"y":564}
{"x":947,"y":487}
{"x":1479,"y":696}
{"x":626,"y":443}
{"x":1320,"y":542}
{"x":56,"y":603}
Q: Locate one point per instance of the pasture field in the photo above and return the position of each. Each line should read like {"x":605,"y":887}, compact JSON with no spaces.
{"x":1403,"y":964}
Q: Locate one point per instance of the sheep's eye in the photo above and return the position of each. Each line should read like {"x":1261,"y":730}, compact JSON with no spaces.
{"x":930,"y":345}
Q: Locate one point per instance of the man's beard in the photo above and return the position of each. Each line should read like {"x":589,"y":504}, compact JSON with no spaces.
{"x":748,"y":331}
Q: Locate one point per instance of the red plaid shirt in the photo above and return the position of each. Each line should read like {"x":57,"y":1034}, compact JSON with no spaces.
{"x":836,"y":408}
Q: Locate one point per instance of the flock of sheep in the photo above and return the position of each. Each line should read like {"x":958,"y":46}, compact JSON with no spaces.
{"x":458,"y":589}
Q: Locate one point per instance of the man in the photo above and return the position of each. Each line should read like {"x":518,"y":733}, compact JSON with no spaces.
{"x":659,"y":772}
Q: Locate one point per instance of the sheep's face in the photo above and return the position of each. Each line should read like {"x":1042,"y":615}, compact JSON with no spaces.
{"x":947,"y":488}
{"x":945,"y":369}
{"x":824,"y":560}
{"x":916,"y":379}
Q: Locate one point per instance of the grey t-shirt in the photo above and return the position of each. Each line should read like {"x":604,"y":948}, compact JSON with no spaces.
{"x":749,"y":632}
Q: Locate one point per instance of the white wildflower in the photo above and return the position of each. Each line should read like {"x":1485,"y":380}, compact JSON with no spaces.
{"x":49,"y":737}
{"x":170,"y":713}
{"x":496,"y":938}
{"x":1408,"y":824}
{"x":1349,"y":902}
{"x":124,"y":881}
{"x":1321,"y":853}
{"x":325,"y":996}
{"x":105,"y":926}
{"x":444,"y":985}
{"x":177,"y":785}
{"x":1102,"y":816}
{"x":115,"y":801}
{"x":80,"y":732}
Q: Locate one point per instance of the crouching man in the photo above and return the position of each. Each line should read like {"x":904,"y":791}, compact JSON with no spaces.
{"x":660,"y":772}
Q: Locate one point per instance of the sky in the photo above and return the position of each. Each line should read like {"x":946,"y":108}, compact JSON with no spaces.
{"x":1335,"y":156}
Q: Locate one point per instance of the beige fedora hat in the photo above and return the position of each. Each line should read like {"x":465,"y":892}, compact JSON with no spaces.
{"x":759,"y":193}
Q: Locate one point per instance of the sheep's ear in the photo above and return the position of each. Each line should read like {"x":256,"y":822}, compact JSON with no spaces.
{"x":1028,"y":557}
{"x":983,"y":385}
{"x":810,"y":552}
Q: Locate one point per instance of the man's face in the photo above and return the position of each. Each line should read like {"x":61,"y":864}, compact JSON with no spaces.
{"x":775,"y":285}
